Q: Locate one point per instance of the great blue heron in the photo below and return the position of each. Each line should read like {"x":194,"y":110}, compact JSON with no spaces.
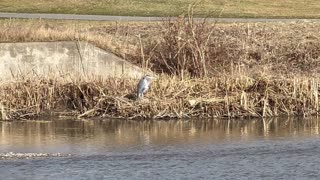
{"x":143,"y":85}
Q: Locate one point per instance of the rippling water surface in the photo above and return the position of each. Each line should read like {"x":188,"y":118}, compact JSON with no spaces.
{"x":189,"y":149}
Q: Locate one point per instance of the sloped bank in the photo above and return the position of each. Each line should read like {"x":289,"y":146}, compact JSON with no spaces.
{"x":237,"y":70}
{"x":64,"y":59}
{"x":169,"y":97}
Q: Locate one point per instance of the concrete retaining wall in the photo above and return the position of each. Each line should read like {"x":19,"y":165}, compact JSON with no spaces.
{"x":75,"y":59}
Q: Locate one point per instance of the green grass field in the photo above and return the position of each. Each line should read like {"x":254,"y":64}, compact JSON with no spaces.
{"x":211,"y":8}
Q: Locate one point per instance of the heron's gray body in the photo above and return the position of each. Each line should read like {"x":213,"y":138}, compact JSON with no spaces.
{"x":143,"y":85}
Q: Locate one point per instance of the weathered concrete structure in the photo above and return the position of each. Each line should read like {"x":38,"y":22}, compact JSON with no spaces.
{"x":75,"y":59}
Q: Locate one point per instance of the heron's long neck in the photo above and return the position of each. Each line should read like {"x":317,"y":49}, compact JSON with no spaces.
{"x":147,"y":82}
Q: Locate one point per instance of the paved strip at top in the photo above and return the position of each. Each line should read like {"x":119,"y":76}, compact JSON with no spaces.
{"x":136,"y":18}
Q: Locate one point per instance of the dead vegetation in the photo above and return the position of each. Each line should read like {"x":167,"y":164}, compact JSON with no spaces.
{"x":208,"y":70}
{"x":201,"y":49}
{"x":184,"y":47}
{"x":169,"y":97}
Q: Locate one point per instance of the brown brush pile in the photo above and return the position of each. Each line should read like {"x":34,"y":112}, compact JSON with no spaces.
{"x":169,"y":97}
{"x":201,"y":49}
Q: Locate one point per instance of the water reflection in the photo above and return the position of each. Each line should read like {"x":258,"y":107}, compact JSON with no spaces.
{"x":72,"y":134}
{"x":194,"y":149}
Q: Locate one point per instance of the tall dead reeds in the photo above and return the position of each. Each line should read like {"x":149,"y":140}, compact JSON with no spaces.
{"x":169,"y":97}
{"x":186,"y":47}
{"x":183,"y":48}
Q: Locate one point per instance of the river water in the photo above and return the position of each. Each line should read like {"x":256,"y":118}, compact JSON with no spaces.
{"x":188,"y":149}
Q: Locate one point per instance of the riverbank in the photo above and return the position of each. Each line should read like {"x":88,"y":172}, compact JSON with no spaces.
{"x":237,"y":95}
{"x":282,"y":48}
{"x":205,"y":70}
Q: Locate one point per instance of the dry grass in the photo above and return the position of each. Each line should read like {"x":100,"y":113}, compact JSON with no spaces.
{"x":201,"y":49}
{"x":187,"y":48}
{"x":105,"y":35}
{"x":210,"y":70}
{"x":230,"y":8}
{"x":169,"y":97}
